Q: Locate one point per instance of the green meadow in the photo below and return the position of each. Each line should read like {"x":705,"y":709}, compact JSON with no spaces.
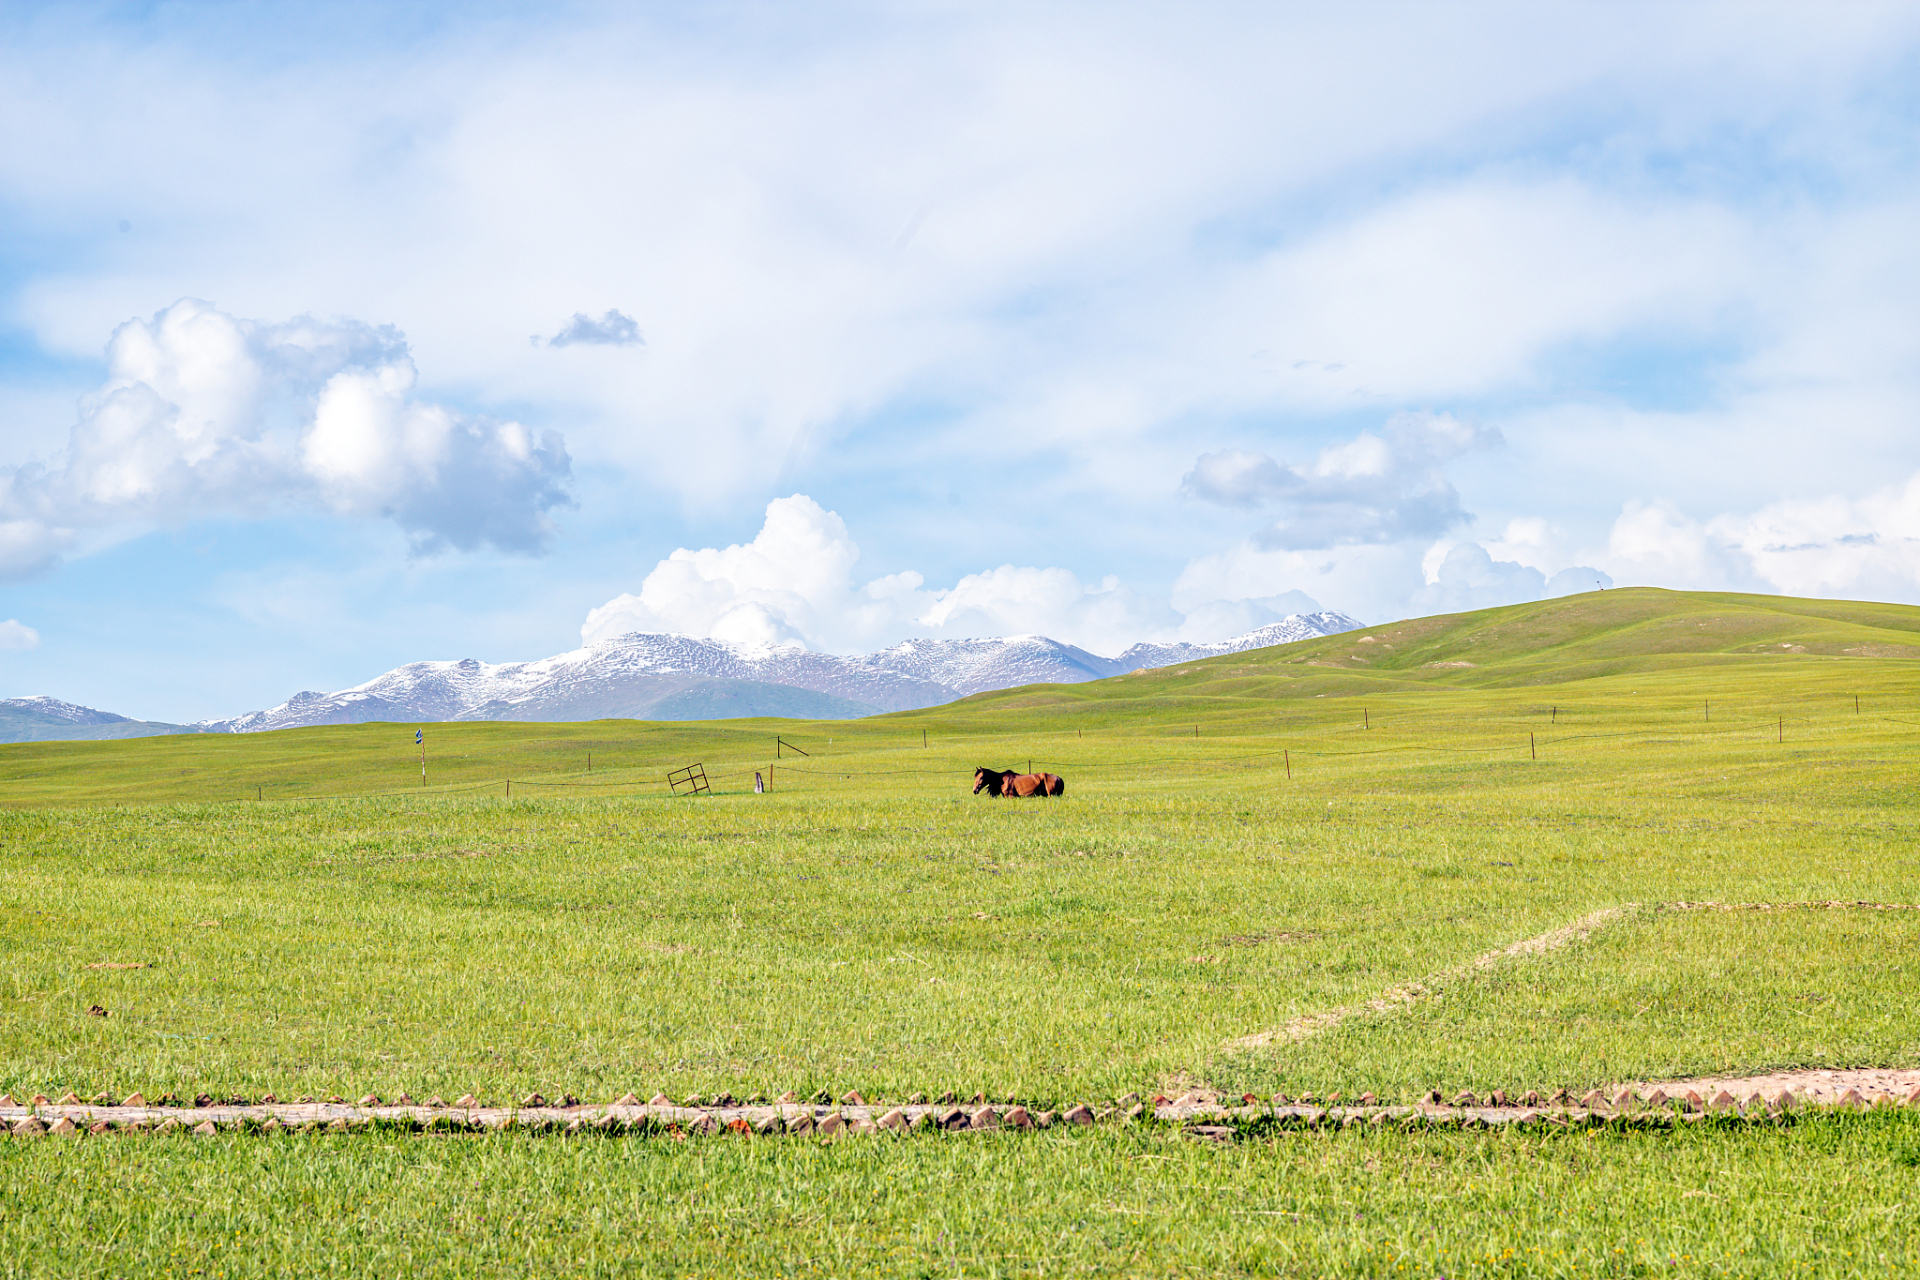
{"x":1244,"y":841}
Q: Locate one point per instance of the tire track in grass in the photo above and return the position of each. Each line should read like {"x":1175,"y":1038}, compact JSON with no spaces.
{"x":1307,"y":1025}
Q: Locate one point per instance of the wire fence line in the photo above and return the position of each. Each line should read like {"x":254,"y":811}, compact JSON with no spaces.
{"x":1423,"y":738}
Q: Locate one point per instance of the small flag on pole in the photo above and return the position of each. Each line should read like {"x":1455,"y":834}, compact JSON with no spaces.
{"x":419,"y":735}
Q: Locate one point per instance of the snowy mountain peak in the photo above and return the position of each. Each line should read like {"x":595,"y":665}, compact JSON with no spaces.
{"x":661,"y":676}
{"x":54,"y":709}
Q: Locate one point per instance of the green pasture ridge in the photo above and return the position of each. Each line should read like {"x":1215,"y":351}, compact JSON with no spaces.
{"x":1547,"y":677}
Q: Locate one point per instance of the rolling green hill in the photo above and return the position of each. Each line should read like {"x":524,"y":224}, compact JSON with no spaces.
{"x":1723,"y":659}
{"x":1566,"y":641}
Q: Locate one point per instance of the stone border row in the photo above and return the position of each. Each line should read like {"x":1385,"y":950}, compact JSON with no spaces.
{"x":1201,"y":1116}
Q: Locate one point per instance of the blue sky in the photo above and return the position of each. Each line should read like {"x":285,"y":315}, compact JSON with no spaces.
{"x":340,"y":336}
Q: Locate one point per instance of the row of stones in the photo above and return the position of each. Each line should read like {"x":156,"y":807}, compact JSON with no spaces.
{"x":1687,"y":1100}
{"x":787,"y":1115}
{"x":723,"y":1101}
{"x":1219,"y":1125}
{"x":638,"y":1119}
{"x":469,"y":1102}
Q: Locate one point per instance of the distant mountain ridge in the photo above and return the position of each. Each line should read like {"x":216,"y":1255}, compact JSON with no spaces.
{"x":647,"y":675}
{"x":43,"y":719}
{"x":975,"y":666}
{"x":659,"y":676}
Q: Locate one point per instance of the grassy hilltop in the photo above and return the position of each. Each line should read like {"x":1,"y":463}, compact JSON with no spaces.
{"x":1245,"y":841}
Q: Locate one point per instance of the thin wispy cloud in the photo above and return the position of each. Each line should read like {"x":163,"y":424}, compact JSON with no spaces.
{"x":1388,"y":486}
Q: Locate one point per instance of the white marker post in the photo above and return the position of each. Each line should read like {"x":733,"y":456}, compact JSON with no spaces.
{"x":420,"y":736}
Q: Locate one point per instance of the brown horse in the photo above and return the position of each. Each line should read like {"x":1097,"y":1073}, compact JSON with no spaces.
{"x":1005,"y":782}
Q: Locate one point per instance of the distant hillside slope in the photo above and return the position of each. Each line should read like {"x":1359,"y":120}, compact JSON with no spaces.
{"x":1546,"y":642}
{"x":43,"y":719}
{"x":1614,"y":632}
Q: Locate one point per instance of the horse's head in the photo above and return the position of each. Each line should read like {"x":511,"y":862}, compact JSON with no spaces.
{"x":991,"y":779}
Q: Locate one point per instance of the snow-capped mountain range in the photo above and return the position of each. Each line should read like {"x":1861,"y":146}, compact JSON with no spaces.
{"x":655,"y":676}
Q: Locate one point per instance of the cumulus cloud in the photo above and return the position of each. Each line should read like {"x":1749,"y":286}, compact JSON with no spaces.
{"x":1573,"y":581}
{"x":1374,"y":488}
{"x":1367,"y":580}
{"x":1027,"y":601}
{"x":611,"y":330}
{"x":1468,"y":577}
{"x":1658,"y":544}
{"x":16,"y":635}
{"x":794,"y":584}
{"x":204,"y":412}
{"x":1213,"y":620}
{"x":1833,"y":545}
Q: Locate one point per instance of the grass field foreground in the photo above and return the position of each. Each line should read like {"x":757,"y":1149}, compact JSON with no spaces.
{"x":1243,"y":842}
{"x":1711,"y":1200}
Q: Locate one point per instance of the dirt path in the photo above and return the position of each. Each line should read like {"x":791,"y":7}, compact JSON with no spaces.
{"x":1308,"y":1025}
{"x":1819,"y":1086}
{"x":1312,"y":1024}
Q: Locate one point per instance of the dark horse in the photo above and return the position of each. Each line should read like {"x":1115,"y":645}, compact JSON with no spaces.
{"x":1005,"y":782}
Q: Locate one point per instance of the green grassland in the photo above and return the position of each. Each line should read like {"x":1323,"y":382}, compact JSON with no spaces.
{"x":1826,"y":1198}
{"x":1243,"y":841}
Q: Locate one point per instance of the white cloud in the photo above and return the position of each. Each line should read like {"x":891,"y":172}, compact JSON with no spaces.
{"x":1835,"y":545}
{"x":1044,"y":261}
{"x":16,"y":635}
{"x":1213,"y":620}
{"x":1370,"y":581}
{"x":1375,"y":581}
{"x":1657,"y":544}
{"x":1237,"y":478}
{"x":1105,"y":618}
{"x":794,"y":584}
{"x":206,"y":413}
{"x":1373,"y":488}
{"x":611,"y":330}
{"x":1576,"y":579}
{"x":1528,"y":540}
{"x":1001,"y":207}
{"x":1468,"y":578}
{"x":1463,"y":576}
{"x":1459,"y":287}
